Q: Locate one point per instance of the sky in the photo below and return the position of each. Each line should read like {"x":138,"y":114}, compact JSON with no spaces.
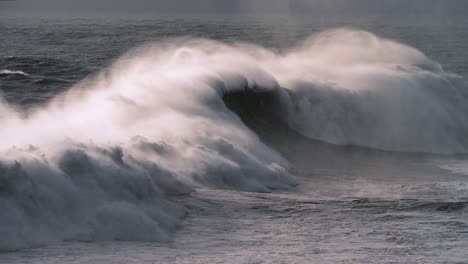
{"x":245,"y":6}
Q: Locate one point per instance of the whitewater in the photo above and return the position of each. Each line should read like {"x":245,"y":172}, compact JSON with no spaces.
{"x":184,"y":139}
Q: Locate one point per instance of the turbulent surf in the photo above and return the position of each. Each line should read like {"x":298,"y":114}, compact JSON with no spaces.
{"x":170,"y":117}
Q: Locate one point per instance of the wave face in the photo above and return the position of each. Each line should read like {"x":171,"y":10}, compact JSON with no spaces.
{"x":97,"y":162}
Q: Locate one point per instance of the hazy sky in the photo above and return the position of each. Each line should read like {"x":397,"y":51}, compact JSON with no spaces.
{"x":294,"y":6}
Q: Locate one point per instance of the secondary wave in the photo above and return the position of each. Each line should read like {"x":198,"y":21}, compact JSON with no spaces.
{"x":98,"y":160}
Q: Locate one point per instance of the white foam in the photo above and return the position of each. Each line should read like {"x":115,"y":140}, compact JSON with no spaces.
{"x":10,"y":72}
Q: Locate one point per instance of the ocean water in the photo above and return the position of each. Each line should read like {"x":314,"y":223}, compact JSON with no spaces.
{"x":233,"y":139}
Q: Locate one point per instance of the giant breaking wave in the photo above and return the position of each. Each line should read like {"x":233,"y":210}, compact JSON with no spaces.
{"x":98,"y":162}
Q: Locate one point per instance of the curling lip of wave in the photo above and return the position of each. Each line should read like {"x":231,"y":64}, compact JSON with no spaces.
{"x":351,"y":87}
{"x":168,"y":130}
